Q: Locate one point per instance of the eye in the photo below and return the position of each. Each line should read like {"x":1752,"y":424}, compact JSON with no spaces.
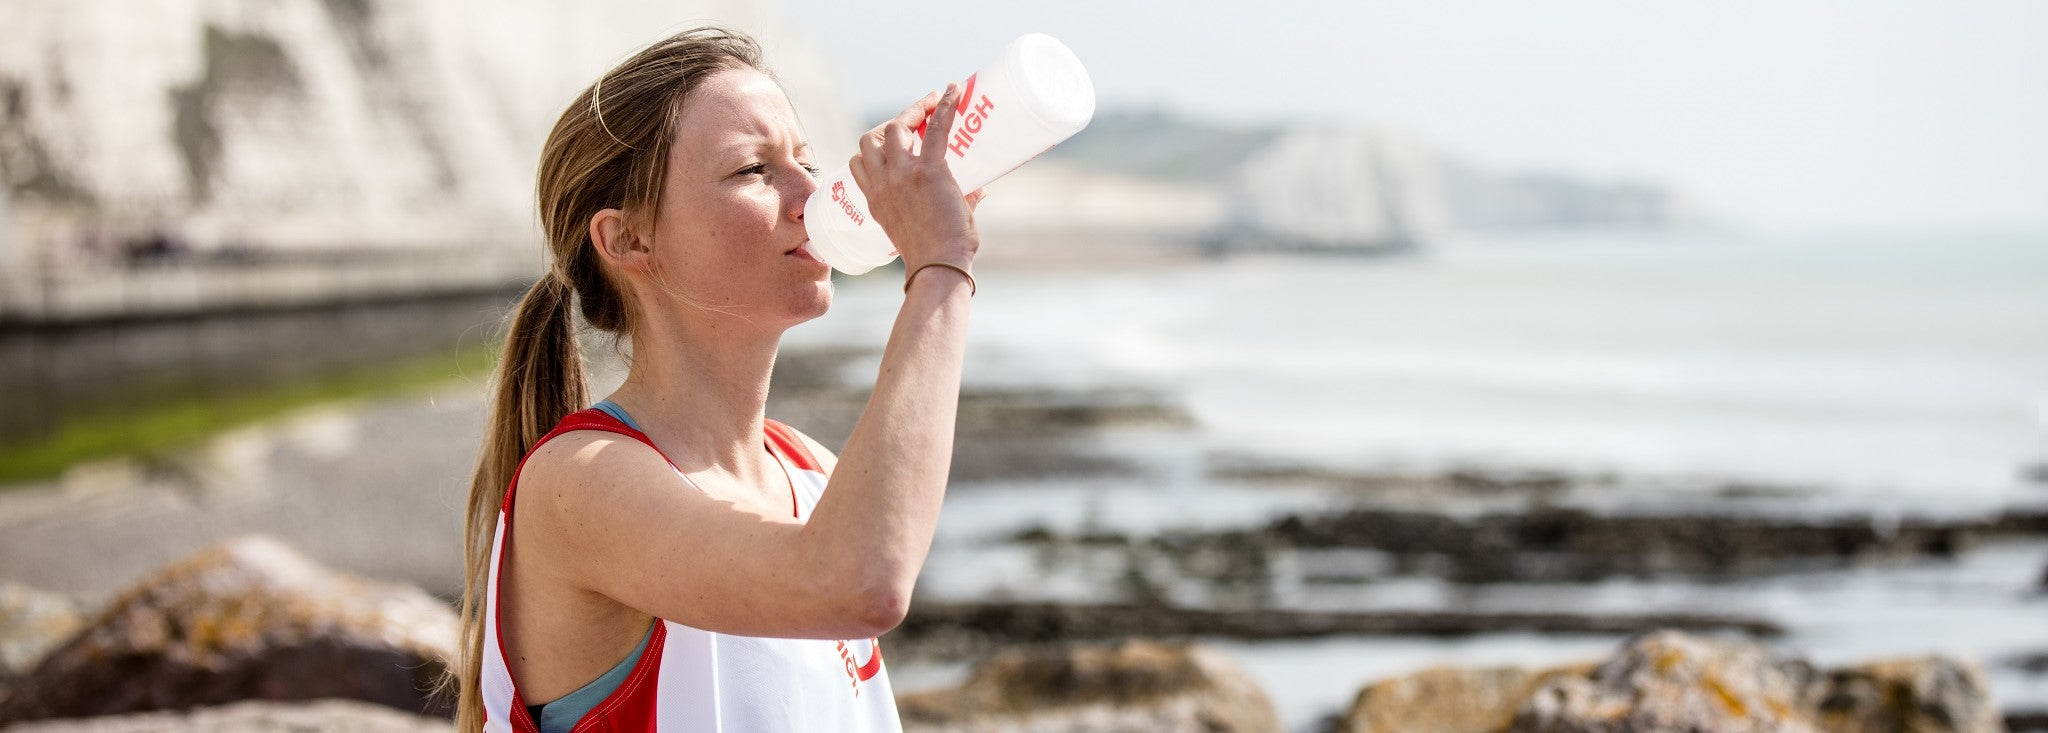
{"x":762,"y":169}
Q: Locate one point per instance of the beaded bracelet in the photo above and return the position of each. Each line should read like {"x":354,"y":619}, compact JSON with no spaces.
{"x":962,"y":270}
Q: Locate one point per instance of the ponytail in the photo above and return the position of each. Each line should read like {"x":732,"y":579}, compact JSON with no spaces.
{"x":539,"y":381}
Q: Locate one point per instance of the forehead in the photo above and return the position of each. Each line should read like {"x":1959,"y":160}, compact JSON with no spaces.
{"x":733,"y":113}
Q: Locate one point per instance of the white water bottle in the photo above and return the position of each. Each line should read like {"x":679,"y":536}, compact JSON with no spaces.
{"x":1035,"y":95}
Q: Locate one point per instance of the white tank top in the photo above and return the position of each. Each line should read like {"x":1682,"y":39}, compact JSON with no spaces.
{"x":692,"y":680}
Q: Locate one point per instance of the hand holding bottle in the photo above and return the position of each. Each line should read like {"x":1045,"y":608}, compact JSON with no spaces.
{"x":1033,"y":96}
{"x":910,"y":189}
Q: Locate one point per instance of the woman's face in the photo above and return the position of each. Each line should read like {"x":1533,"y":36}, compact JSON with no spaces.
{"x":730,"y":230}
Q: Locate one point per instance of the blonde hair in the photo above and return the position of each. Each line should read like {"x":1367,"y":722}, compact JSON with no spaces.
{"x":608,"y":150}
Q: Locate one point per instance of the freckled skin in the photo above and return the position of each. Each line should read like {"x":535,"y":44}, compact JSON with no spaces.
{"x":721,"y":237}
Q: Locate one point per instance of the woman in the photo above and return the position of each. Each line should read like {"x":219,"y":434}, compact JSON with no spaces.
{"x":669,"y":558}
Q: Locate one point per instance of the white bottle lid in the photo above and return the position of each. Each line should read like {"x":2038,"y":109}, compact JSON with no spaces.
{"x":1061,"y":95}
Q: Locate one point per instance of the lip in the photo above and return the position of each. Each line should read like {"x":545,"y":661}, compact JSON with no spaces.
{"x":801,"y":252}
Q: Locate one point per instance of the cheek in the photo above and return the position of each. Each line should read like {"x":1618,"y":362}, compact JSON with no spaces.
{"x":718,"y":261}
{"x":742,"y":230}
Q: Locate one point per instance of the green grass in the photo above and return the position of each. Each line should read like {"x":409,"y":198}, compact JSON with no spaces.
{"x":158,"y":430}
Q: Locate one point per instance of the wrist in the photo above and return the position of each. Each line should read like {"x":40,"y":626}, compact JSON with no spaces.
{"x":949,"y":274}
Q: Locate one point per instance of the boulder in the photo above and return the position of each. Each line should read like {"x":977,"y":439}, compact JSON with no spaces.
{"x":1447,"y":700}
{"x":31,"y":623}
{"x":1920,"y":695}
{"x":254,"y":716}
{"x":248,"y":619}
{"x":1672,"y":681}
{"x":1131,"y":686}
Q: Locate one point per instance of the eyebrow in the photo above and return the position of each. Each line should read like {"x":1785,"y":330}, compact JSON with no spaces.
{"x":745,"y":149}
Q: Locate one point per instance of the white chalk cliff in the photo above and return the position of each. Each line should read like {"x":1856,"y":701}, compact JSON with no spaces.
{"x":352,"y":124}
{"x":1295,"y":188}
{"x":1323,"y":188}
{"x":319,"y":123}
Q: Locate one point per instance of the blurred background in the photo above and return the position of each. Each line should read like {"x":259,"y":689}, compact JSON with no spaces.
{"x":1349,"y":340}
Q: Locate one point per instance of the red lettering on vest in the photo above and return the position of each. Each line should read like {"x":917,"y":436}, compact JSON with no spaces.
{"x":852,"y":673}
{"x":874,"y":665}
{"x":857,"y":673}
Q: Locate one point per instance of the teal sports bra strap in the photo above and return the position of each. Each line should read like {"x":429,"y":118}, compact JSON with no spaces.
{"x":613,"y":409}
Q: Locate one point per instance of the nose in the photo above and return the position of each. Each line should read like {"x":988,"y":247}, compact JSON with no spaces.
{"x":799,"y":194}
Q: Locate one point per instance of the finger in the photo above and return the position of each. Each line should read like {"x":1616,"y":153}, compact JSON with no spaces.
{"x":942,"y":122}
{"x":923,"y":122}
{"x":974,"y":198}
{"x":872,"y":146}
{"x":859,"y":169}
{"x":916,"y":112}
{"x":871,"y":142}
{"x":913,"y":115}
{"x":896,"y":144}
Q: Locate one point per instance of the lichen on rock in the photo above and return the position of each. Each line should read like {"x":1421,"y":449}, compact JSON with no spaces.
{"x":248,"y":619}
{"x":1672,"y":681}
{"x":1131,"y":686}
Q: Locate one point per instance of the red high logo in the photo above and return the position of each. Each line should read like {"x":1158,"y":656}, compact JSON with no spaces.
{"x":846,"y":205}
{"x":965,"y":128}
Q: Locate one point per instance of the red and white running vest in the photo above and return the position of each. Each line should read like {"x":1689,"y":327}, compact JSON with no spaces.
{"x":691,"y":680}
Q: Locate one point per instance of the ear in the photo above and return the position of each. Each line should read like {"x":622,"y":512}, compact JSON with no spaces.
{"x":619,"y":242}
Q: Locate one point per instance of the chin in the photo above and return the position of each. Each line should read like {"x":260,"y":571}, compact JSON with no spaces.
{"x":816,"y":305}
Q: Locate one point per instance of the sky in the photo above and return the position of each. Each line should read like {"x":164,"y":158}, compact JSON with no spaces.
{"x":1786,"y":115}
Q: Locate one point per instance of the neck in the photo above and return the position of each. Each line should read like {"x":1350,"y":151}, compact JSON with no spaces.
{"x":701,"y":390}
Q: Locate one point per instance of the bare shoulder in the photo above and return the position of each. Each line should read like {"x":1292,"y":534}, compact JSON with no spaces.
{"x":579,"y":482}
{"x":577,"y":457}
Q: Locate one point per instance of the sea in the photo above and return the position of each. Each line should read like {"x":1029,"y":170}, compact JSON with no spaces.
{"x":1891,"y":376}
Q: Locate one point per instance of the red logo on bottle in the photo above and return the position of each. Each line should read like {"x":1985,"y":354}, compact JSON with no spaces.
{"x":966,"y":127}
{"x":846,"y":205}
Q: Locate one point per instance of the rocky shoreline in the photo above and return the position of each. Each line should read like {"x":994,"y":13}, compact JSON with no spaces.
{"x":1464,"y":531}
{"x":954,"y":631}
{"x":252,"y":636}
{"x":1562,"y":544}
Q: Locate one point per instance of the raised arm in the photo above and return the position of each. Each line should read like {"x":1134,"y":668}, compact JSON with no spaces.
{"x":883,"y":500}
